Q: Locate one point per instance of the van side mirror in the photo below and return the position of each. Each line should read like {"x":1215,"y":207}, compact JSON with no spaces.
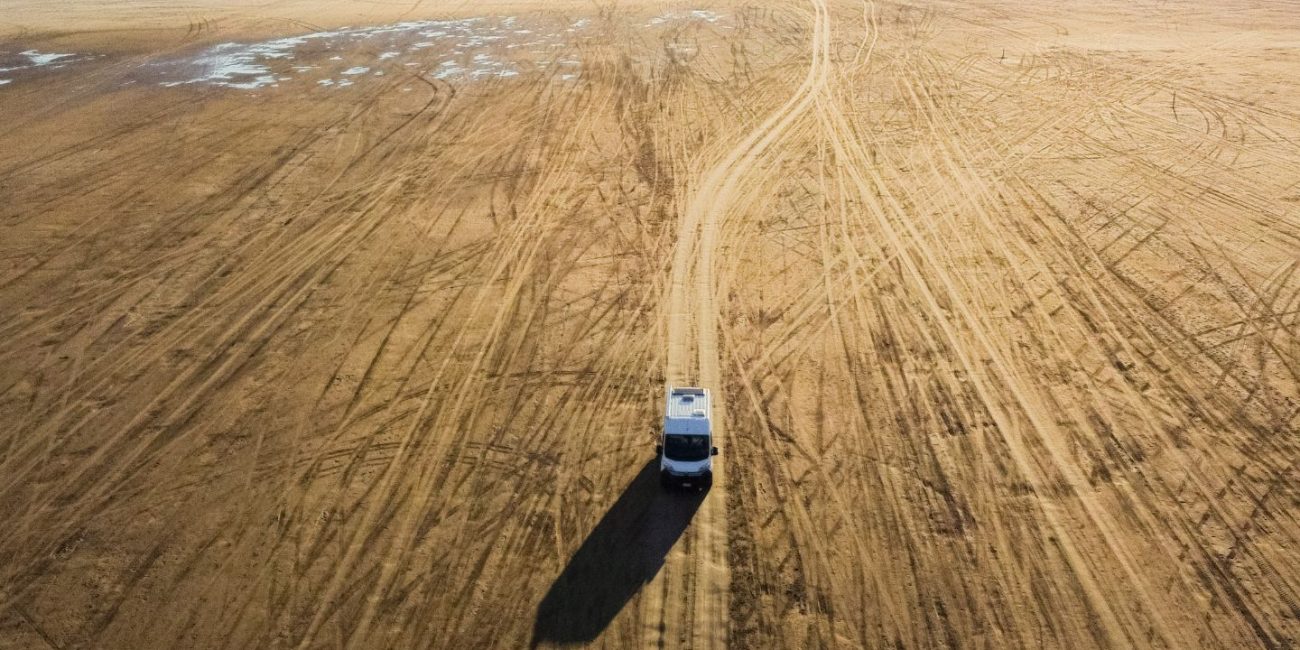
{"x":659,"y":449}
{"x":715,"y":452}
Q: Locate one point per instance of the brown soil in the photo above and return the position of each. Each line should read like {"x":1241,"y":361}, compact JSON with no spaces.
{"x":999,"y":300}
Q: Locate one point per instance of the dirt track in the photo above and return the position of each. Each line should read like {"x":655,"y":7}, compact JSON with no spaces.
{"x":1000,"y":302}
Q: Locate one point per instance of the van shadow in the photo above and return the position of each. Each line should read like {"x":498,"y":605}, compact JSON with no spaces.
{"x":623,"y":553}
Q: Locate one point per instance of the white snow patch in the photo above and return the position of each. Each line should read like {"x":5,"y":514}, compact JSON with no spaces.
{"x":695,"y":14}
{"x":5,"y":81}
{"x":701,"y":14}
{"x":449,"y":69}
{"x":38,"y":58}
{"x":233,"y":66}
{"x":252,"y":65}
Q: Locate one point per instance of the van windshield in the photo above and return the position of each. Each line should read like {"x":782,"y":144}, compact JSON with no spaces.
{"x":679,"y":447}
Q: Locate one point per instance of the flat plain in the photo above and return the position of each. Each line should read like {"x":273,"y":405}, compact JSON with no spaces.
{"x":347,"y":324}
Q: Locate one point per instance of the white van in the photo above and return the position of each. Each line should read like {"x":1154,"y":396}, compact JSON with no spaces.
{"x":686,"y":450}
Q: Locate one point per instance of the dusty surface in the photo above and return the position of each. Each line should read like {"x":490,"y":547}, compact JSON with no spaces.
{"x":358,"y":338}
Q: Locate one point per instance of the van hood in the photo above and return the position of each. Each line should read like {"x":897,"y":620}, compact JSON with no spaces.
{"x":686,"y":467}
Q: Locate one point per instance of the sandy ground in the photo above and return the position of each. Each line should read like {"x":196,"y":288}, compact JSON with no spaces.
{"x":359,"y":338}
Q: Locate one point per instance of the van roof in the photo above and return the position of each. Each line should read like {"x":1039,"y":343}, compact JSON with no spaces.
{"x":688,"y":411}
